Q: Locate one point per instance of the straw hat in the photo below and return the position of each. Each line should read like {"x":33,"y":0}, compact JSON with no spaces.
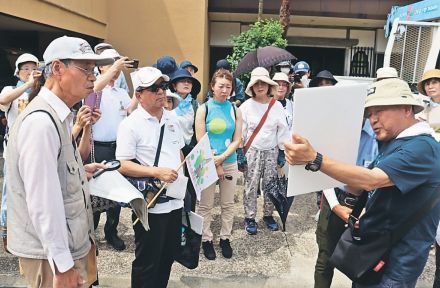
{"x":260,"y":74}
{"x":433,"y":73}
{"x":392,"y":91}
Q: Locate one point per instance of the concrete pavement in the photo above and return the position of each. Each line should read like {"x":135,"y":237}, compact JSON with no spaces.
{"x":268,"y":259}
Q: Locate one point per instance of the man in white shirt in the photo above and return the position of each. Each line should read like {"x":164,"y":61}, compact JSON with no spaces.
{"x":113,"y":105}
{"x":51,"y":227}
{"x":138,"y":138}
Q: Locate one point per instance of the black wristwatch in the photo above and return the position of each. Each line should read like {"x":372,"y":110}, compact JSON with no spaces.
{"x":315,"y":165}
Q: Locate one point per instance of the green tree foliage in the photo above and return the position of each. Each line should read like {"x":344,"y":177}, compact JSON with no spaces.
{"x":260,"y":34}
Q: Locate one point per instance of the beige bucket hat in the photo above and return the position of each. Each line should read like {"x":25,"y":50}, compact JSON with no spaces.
{"x":433,"y":73}
{"x":260,"y":74}
{"x":389,"y":92}
{"x":280,"y":76}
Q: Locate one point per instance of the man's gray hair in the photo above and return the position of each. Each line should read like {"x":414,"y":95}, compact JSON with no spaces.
{"x":48,"y":68}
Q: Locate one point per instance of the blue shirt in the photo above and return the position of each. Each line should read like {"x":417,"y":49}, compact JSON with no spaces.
{"x":121,"y":82}
{"x":367,"y":146}
{"x":413,"y":165}
{"x":220,"y":125}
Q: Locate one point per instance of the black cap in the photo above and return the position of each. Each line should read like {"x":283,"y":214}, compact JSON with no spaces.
{"x":223,"y":63}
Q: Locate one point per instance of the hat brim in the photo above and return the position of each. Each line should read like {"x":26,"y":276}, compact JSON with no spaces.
{"x":176,"y":100}
{"x":196,"y":86}
{"x":430,"y":74}
{"x":395,"y":101}
{"x":99,"y":60}
{"x":264,"y":79}
{"x":194,"y":67}
{"x":146,"y":85}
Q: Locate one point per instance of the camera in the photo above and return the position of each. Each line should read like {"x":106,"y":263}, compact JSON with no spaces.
{"x":135,"y":64}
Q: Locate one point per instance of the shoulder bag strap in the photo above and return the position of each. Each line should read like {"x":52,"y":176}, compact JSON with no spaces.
{"x":159,"y":146}
{"x":260,"y":124}
{"x":411,"y":221}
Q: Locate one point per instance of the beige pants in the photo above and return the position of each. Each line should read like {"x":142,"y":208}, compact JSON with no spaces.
{"x":227,"y":192}
{"x":38,"y":273}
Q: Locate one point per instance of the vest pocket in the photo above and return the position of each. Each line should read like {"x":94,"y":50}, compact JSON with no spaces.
{"x":77,"y":225}
{"x":73,"y":178}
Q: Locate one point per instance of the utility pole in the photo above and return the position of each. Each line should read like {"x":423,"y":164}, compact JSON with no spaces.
{"x":285,"y":16}
{"x":260,"y":9}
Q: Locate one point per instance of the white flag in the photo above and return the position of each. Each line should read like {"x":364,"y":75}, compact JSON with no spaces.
{"x":201,"y":167}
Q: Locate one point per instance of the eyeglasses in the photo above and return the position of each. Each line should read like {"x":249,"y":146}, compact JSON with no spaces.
{"x":155,"y":87}
{"x":87,"y":72}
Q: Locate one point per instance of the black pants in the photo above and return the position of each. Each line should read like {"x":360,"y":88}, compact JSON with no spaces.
{"x":107,"y":152}
{"x":155,"y":249}
{"x":437,"y":266}
{"x":328,"y":231}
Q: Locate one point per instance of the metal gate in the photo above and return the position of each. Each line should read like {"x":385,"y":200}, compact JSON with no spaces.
{"x":362,"y":62}
{"x":412,"y":48}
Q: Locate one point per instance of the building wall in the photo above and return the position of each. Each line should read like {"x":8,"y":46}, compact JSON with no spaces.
{"x":138,"y":29}
{"x":84,"y":16}
{"x":171,"y":28}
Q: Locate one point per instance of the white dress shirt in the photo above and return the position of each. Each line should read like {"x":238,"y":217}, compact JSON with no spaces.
{"x":38,"y":147}
{"x":138,"y":136}
{"x":13,"y":106}
{"x":273,"y":133}
{"x":113,"y":106}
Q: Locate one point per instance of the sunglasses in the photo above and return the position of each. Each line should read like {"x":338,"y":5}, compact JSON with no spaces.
{"x":155,"y":87}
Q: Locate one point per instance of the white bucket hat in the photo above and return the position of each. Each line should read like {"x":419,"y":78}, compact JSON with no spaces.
{"x":260,"y":74}
{"x":392,"y":91}
{"x":386,"y":72}
{"x":176,"y":98}
{"x":23,"y":58}
{"x":146,"y":76}
{"x":75,"y":49}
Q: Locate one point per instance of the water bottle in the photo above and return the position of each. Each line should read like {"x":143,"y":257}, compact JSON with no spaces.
{"x":183,"y":237}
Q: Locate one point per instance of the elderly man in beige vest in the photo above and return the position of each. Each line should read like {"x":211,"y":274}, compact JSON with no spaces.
{"x":50,"y":219}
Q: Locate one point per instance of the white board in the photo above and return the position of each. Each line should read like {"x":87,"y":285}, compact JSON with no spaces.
{"x":330,"y":118}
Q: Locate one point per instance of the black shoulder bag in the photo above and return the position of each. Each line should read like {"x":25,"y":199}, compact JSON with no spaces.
{"x":364,"y":260}
{"x":149,"y":186}
{"x":189,"y":251}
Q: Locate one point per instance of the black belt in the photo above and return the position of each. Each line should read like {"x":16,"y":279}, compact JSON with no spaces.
{"x":111,"y":144}
{"x":345,"y":198}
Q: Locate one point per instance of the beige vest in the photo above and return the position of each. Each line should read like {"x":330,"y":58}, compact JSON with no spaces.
{"x":22,"y":238}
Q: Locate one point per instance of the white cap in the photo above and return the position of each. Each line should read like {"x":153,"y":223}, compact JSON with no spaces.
{"x":386,"y":72}
{"x":176,"y":98}
{"x":110,"y":53}
{"x":23,"y":58}
{"x":102,"y":45}
{"x":73,"y":48}
{"x":146,"y":76}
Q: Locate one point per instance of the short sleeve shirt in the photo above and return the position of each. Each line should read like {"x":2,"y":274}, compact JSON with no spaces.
{"x":413,"y":165}
{"x":138,"y":136}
